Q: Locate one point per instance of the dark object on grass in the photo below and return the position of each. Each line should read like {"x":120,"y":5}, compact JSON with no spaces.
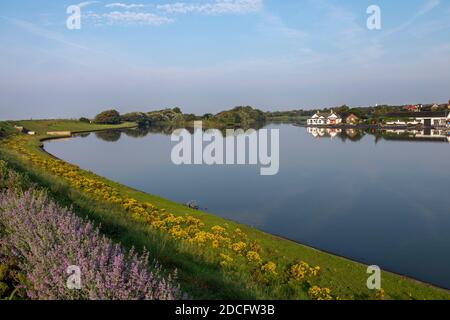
{"x":193,"y":205}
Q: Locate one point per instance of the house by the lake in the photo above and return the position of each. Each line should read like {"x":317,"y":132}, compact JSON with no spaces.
{"x":434,"y":119}
{"x":323,"y":119}
{"x":352,"y":119}
{"x":437,"y":119}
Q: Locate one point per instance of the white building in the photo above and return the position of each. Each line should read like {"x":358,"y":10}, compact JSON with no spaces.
{"x":396,"y":123}
{"x":426,"y":119}
{"x":322,"y":119}
{"x":434,"y":119}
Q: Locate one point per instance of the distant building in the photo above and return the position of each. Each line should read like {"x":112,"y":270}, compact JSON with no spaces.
{"x":352,"y":119}
{"x":434,"y":119}
{"x":426,"y":119}
{"x":396,"y":123}
{"x":412,"y":108}
{"x":322,"y":119}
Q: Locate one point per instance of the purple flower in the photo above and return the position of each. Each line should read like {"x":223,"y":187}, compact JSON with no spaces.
{"x":46,"y":239}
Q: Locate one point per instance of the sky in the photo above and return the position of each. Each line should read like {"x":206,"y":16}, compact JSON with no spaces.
{"x":209,"y":55}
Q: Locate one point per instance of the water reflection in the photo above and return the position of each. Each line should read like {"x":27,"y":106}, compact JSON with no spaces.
{"x":143,"y":131}
{"x":355,"y":134}
{"x":343,"y":134}
{"x":109,"y":136}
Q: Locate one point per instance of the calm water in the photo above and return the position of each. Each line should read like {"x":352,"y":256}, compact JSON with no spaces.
{"x":379,"y":200}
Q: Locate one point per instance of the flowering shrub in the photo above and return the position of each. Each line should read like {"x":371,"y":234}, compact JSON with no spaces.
{"x":45,"y":240}
{"x":379,"y":294}
{"x":231,"y":248}
{"x":302,"y":270}
{"x":253,"y":256}
{"x":185,"y":228}
{"x":317,"y":293}
{"x":269,"y":268}
{"x":226,"y":260}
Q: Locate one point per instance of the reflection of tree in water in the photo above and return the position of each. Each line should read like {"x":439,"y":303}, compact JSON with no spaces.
{"x":353,"y":135}
{"x":139,"y":132}
{"x":84,"y":135}
{"x":109,"y":135}
{"x":168,"y":129}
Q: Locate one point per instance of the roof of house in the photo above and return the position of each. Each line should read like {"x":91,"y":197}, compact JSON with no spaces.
{"x":326,"y":114}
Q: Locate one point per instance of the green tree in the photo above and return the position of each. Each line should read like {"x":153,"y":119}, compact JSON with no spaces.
{"x":108,"y":117}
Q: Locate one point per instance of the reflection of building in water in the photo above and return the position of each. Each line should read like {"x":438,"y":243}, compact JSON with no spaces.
{"x":426,"y":134}
{"x":443,"y":135}
{"x":323,"y":132}
{"x":352,"y":133}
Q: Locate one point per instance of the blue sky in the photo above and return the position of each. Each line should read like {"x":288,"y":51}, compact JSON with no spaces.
{"x":208,"y":55}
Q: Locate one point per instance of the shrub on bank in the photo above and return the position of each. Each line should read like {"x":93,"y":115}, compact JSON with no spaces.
{"x":44,"y":239}
{"x":108,"y":117}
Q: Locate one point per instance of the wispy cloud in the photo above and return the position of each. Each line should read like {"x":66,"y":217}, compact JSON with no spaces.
{"x":132,"y":13}
{"x":426,"y":8}
{"x":124,"y":6}
{"x":59,"y":38}
{"x":212,"y":8}
{"x":42,"y":32}
{"x":86,"y":3}
{"x":275,"y":23}
{"x":128,"y":17}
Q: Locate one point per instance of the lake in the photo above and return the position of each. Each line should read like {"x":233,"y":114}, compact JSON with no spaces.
{"x":381,"y":198}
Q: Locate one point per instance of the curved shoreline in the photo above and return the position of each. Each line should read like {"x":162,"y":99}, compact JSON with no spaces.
{"x":322,"y":251}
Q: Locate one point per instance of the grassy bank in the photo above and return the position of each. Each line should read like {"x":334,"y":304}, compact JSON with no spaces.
{"x":261,"y":265}
{"x":41,"y":127}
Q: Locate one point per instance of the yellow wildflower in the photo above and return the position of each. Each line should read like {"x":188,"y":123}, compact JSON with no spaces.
{"x":270,"y":268}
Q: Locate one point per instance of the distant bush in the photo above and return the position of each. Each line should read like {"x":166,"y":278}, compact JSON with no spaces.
{"x":108,"y":117}
{"x":86,"y":120}
{"x":190,"y":117}
{"x":207,"y":116}
{"x":133,"y":116}
{"x":241,"y":115}
{"x":166,"y":115}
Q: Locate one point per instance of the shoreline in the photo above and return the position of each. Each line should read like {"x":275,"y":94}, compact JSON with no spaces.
{"x":280,"y":237}
{"x":346,"y":276}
